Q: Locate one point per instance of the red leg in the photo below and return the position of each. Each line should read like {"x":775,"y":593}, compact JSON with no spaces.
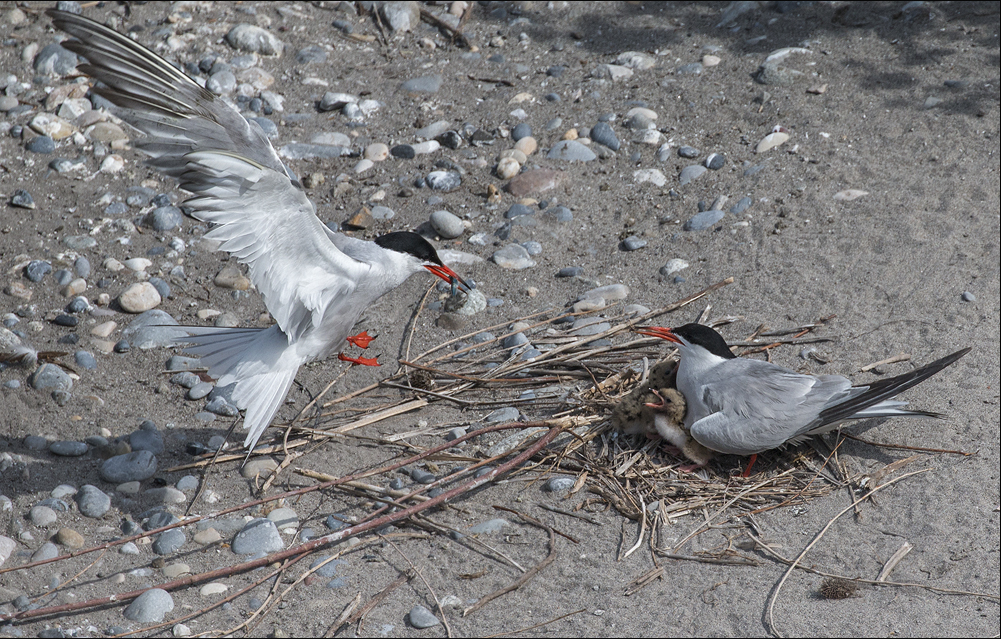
{"x":364,"y":361}
{"x":361,"y":340}
{"x":747,"y":471}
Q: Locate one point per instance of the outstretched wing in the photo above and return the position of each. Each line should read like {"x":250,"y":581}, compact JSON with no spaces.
{"x":264,"y":218}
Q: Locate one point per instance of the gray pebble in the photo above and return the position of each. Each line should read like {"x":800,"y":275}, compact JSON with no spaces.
{"x":513,"y":257}
{"x":403,"y":151}
{"x":41,"y":144}
{"x":561,"y":214}
{"x":42,"y":516}
{"x":161,"y":287}
{"x":85,"y":360}
{"x":450,"y":139}
{"x":703,"y":220}
{"x":220,"y":406}
{"x":489,"y":527}
{"x":969,"y":297}
{"x":270,"y":128}
{"x":37,"y":269}
{"x":147,"y":439}
{"x":427,"y":84}
{"x":516,"y":210}
{"x":603,"y":134}
{"x":53,"y":59}
{"x":34,"y":442}
{"x":185,"y":379}
{"x":753,"y":170}
{"x":78,"y":305}
{"x":590,"y":326}
{"x":122,"y":346}
{"x":182,"y":363}
{"x":715,"y":161}
{"x":446,"y":224}
{"x":159,"y":519}
{"x":62,"y":277}
{"x":443,"y":180}
{"x":68,"y":448}
{"x":307,"y":151}
{"x":150,"y":607}
{"x":312,"y":53}
{"x":199,"y":390}
{"x":382,"y":213}
{"x":187,"y":483}
{"x":509,"y":414}
{"x":396,"y":484}
{"x":22,"y":199}
{"x":284,"y":518}
{"x":422,"y":476}
{"x":558,"y":484}
{"x":51,"y":376}
{"x":136,"y":466}
{"x":571,"y":151}
{"x":258,"y":536}
{"x":533,"y":247}
{"x":420,"y":618}
{"x":92,"y":501}
{"x":742,"y":205}
{"x":328,"y":569}
{"x":454,"y":434}
{"x":692,"y":68}
{"x":512,"y":341}
{"x":632,"y":243}
{"x":116,"y":208}
{"x":523,"y":130}
{"x":46,"y":551}
{"x":691,"y":172}
{"x":688,"y":152}
{"x":251,"y":38}
{"x":169,"y":541}
{"x":479,"y":338}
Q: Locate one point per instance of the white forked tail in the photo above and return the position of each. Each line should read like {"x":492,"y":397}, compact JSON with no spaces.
{"x":257,"y":359}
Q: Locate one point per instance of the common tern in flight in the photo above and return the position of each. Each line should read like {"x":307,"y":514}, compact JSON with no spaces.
{"x":741,"y":406}
{"x":315,"y":283}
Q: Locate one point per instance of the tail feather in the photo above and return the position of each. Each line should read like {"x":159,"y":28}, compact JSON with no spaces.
{"x":253,"y":358}
{"x":873,"y":397}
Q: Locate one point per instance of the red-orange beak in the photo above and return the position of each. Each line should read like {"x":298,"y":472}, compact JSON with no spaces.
{"x":448,"y":275}
{"x":659,"y":331}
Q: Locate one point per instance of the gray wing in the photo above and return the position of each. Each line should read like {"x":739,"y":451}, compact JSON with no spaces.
{"x":264,"y":218}
{"x":755,"y":406}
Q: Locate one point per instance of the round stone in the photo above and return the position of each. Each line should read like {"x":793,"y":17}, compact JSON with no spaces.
{"x":139,"y":297}
{"x":135,"y":466}
{"x":92,"y":501}
{"x":150,"y":607}
{"x":446,"y":224}
{"x":258,"y":536}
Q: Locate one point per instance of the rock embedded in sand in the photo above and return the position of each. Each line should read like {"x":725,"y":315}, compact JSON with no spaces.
{"x":248,"y":37}
{"x":139,"y":297}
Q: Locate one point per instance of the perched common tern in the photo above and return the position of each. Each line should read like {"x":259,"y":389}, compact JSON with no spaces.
{"x":315,"y":283}
{"x":741,"y":406}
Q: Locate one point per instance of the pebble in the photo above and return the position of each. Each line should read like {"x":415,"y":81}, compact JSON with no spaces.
{"x":692,"y":68}
{"x":571,"y":151}
{"x":92,"y":501}
{"x":333,"y":100}
{"x":207,"y":536}
{"x":68,"y":448}
{"x":37,"y":269}
{"x":507,"y":168}
{"x":188,"y":483}
{"x":603,"y":134}
{"x":403,"y":151}
{"x":422,"y":476}
{"x":742,"y":205}
{"x":164,"y":218}
{"x":420,"y":618}
{"x":169,"y":541}
{"x":673,"y":266}
{"x":173,"y":571}
{"x":608,"y":293}
{"x":691,"y":172}
{"x":569,"y":271}
{"x":305,"y":151}
{"x":41,"y":144}
{"x":513,"y":257}
{"x":69,"y":538}
{"x":35,"y":442}
{"x":703,"y":220}
{"x":199,"y":391}
{"x":688,"y":152}
{"x":251,"y":38}
{"x":427,"y":84}
{"x":715,"y":161}
{"x":428,"y":146}
{"x":771,"y":141}
{"x":139,"y":297}
{"x":509,"y":414}
{"x":79,"y":242}
{"x":258,"y":536}
{"x":443,"y":180}
{"x":150,"y":607}
{"x":22,"y":199}
{"x":489,"y":527}
{"x":285,"y":519}
{"x":147,"y":438}
{"x":42,"y":516}
{"x":46,"y":551}
{"x":260,"y":467}
{"x":654,"y":176}
{"x":135,"y":466}
{"x":231,"y":278}
{"x":632,"y":243}
{"x":214,"y":588}
{"x":50,"y":376}
{"x":533,"y":181}
{"x":446,"y":224}
{"x":558,"y":484}
{"x":376,"y":152}
{"x":969,"y":297}
{"x":517,"y":210}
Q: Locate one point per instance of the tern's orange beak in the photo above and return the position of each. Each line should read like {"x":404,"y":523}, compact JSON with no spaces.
{"x":659,"y":331}
{"x":448,"y":275}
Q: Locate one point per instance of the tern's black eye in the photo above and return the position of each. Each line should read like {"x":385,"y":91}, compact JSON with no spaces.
{"x":412,"y":243}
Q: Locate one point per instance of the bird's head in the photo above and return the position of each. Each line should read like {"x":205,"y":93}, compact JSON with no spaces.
{"x":422,"y":253}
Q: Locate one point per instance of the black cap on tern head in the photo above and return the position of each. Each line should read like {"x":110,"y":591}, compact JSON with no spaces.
{"x":409,"y":242}
{"x":706,"y":337}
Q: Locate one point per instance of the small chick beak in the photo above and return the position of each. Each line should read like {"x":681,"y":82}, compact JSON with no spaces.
{"x":449,"y":276}
{"x":659,"y":331}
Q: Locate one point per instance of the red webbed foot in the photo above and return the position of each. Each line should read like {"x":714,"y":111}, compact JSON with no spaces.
{"x":361,"y":340}
{"x":364,"y":361}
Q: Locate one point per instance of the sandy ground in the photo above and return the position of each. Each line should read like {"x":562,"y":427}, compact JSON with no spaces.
{"x":892,"y":266}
